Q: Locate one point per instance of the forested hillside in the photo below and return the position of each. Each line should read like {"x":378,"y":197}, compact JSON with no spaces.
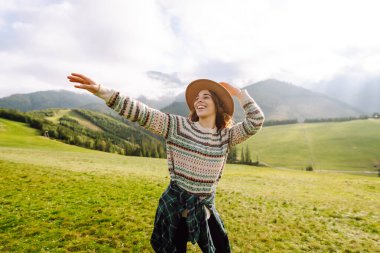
{"x":106,"y":133}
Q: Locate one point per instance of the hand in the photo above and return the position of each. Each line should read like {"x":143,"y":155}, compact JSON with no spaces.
{"x":85,"y":82}
{"x":231,"y":89}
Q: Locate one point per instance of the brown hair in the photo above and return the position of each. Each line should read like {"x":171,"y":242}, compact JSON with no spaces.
{"x":222,"y":120}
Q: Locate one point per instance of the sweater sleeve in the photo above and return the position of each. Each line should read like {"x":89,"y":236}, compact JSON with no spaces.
{"x":253,"y":122}
{"x":151,"y":119}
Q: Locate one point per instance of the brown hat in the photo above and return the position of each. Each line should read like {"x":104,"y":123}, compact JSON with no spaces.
{"x":196,"y":86}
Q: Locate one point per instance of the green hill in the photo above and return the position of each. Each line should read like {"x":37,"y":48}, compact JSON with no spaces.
{"x":351,"y":146}
{"x":56,"y":197}
{"x":92,"y":130}
{"x":19,"y":135}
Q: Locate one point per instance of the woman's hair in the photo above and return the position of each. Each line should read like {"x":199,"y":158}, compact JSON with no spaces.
{"x":222,"y":120}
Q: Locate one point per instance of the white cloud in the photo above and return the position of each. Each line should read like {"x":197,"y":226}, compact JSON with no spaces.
{"x":118,"y":42}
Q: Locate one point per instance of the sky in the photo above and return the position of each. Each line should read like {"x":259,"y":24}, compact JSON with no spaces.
{"x":155,"y":48}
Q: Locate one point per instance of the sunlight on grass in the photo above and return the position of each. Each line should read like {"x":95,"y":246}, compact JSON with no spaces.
{"x":60,"y":198}
{"x":352,"y":145}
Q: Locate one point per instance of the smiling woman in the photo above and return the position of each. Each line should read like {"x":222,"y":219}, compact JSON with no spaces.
{"x":197,"y":148}
{"x":207,"y":102}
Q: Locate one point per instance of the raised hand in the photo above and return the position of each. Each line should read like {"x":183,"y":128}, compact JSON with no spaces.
{"x":84,"y":82}
{"x":231,"y":89}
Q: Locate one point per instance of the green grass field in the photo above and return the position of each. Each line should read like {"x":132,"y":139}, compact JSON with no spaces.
{"x":345,"y":146}
{"x":60,"y":198}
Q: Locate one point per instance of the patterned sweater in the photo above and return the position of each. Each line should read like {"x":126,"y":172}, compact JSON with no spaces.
{"x":196,"y":155}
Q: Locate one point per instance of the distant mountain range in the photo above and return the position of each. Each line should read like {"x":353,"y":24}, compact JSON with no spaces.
{"x":362,"y":94}
{"x":278,"y":100}
{"x":281,"y":101}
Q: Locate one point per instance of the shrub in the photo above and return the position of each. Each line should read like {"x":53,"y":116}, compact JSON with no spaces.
{"x":309,"y":168}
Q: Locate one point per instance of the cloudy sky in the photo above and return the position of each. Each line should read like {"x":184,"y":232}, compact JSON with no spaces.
{"x":154,"y":48}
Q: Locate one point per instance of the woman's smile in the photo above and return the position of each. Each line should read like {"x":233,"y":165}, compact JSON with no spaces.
{"x":203,"y":104}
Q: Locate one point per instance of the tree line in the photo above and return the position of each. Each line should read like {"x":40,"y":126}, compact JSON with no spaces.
{"x":340,"y":119}
{"x":115,"y":138}
{"x":244,"y":158}
{"x":315,"y":120}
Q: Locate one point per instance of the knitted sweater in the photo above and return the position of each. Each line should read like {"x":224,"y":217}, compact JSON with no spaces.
{"x":196,"y":155}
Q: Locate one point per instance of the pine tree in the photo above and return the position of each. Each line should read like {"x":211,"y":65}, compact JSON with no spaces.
{"x":232,"y":155}
{"x":242,"y":156}
{"x":154,"y":152}
{"x":247,"y":157}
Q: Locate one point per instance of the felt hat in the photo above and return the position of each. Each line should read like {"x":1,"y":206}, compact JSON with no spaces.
{"x":224,"y":96}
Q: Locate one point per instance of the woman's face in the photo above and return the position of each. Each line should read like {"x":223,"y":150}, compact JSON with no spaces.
{"x":204,"y":105}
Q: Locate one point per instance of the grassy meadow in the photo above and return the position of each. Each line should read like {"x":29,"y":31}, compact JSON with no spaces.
{"x":60,"y":198}
{"x":351,"y":146}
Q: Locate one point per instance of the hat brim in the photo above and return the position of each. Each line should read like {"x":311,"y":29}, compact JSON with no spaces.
{"x":196,"y":86}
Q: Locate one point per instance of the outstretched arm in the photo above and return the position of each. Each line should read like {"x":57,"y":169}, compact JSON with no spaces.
{"x":153,"y":120}
{"x":254,"y":116}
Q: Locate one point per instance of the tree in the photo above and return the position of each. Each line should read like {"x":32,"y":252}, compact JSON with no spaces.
{"x":154,"y":152}
{"x":247,"y":156}
{"x":108,"y":146}
{"x":242,"y":155}
{"x":232,"y":155}
{"x":78,"y":140}
{"x":90,"y":143}
{"x":101,"y":145}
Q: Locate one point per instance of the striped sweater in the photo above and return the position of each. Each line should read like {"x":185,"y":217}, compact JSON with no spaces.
{"x":196,"y":155}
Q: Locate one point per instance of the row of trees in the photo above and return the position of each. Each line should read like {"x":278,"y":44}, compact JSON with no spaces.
{"x":341,"y":119}
{"x":244,"y":158}
{"x":315,"y":120}
{"x":280,"y":122}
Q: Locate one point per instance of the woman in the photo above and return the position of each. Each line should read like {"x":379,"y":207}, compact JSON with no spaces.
{"x":197,"y":149}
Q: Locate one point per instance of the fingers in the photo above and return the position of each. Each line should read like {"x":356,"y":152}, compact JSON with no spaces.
{"x":79,"y":78}
{"x":233,"y":90}
{"x":79,"y":75}
{"x":76,"y":79}
{"x":226,"y":85}
{"x":84,"y":82}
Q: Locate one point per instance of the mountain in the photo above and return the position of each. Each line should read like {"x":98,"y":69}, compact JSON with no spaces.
{"x":278,"y":100}
{"x":66,"y":99}
{"x":369,"y":98}
{"x":364,"y":95}
{"x":281,"y":101}
{"x":50,"y":99}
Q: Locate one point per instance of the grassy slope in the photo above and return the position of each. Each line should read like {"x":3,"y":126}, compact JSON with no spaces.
{"x":70,"y":113}
{"x":15,"y":134}
{"x":57,"y":198}
{"x":352,"y":145}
